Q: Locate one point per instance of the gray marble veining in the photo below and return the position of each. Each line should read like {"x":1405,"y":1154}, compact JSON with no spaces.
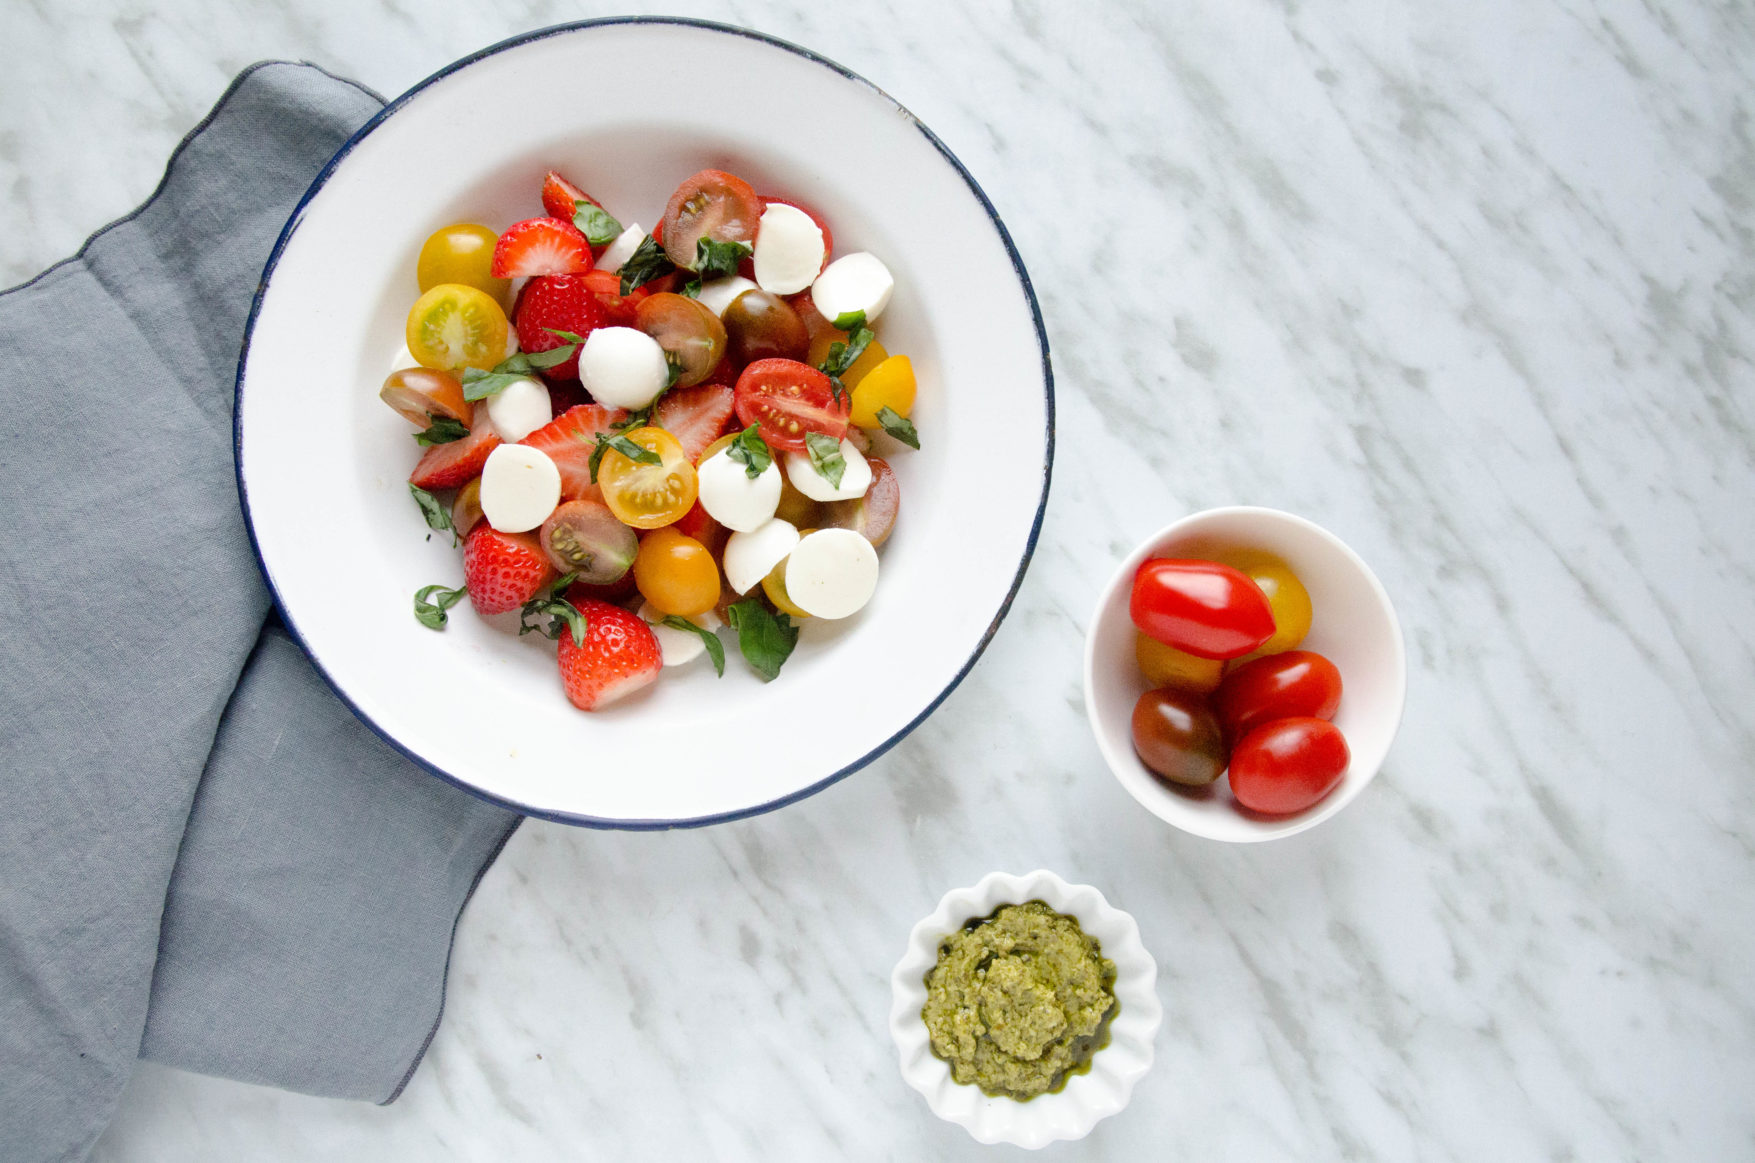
{"x":1472,"y":287}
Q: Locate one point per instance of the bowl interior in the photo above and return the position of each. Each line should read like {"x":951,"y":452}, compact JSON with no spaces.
{"x":343,"y":544}
{"x":1353,"y":625}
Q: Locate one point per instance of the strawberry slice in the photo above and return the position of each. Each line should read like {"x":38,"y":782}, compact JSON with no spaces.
{"x":560,"y":197}
{"x":695,"y":416}
{"x":620,"y":656}
{"x":564,"y":302}
{"x":446,"y":466}
{"x":541,"y":246}
{"x":503,"y":570}
{"x":569,"y":440}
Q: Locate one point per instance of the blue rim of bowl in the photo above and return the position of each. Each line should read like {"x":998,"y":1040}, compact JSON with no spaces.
{"x":395,"y":106}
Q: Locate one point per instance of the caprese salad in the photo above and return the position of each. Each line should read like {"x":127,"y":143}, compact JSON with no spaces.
{"x":638,"y":437}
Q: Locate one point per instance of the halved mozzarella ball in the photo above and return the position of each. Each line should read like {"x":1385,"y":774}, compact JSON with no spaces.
{"x":622,"y":367}
{"x":832,"y":573}
{"x":855,"y":479}
{"x":519,"y":408}
{"x":678,"y":646}
{"x":789,"y":250}
{"x":855,"y":282}
{"x":622,"y":249}
{"x":511,"y":343}
{"x":520,"y":487}
{"x":749,"y":556}
{"x":732,"y":498}
{"x":717,"y":295}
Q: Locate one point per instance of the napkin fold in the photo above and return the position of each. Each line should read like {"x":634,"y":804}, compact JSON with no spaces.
{"x":205,"y":859}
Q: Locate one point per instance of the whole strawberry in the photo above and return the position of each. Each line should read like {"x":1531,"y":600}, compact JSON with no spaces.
{"x":503,"y":570}
{"x":563,"y":302}
{"x":620,"y":656}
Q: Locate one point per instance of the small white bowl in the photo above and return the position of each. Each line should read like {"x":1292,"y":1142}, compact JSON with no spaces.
{"x":1353,"y":625}
{"x":1086,"y":1098}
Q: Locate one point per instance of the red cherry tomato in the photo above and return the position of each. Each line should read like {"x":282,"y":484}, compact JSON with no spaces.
{"x":711,"y":204}
{"x":1178,"y":738}
{"x":1286,"y":765}
{"x":1200,"y":607}
{"x":1296,"y":684}
{"x":789,"y":399}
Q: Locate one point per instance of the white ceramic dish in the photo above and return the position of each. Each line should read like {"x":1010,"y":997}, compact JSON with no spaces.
{"x":322,"y":463}
{"x":1086,"y":1098}
{"x":1353,"y":625}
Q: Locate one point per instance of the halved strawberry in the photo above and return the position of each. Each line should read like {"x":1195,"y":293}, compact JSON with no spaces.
{"x":563,"y":302}
{"x":619,"y":657}
{"x":446,"y":466}
{"x":569,"y":440}
{"x":503,"y":570}
{"x":695,"y":416}
{"x":560,"y":197}
{"x":541,"y":246}
{"x":607,"y":286}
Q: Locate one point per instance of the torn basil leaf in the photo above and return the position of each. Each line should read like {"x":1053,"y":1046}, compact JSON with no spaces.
{"x":479,"y":384}
{"x":826,"y":458}
{"x":443,"y":430}
{"x":624,"y":446}
{"x":765,"y":639}
{"x":595,"y":223}
{"x":715,"y":648}
{"x":900,"y":427}
{"x":562,"y":614}
{"x":438,"y":517}
{"x":849,"y":321}
{"x":648,"y":262}
{"x":715,"y":260}
{"x":431,"y":602}
{"x":750,"y":450}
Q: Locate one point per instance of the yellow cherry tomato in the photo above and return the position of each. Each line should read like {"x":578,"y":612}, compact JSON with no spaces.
{"x":873,"y":355}
{"x":453,"y":326}
{"x":774,"y":585}
{"x":648,"y":496}
{"x":1167,"y":666}
{"x":461,"y":253}
{"x":1286,"y":596}
{"x":676,"y":574}
{"x":888,"y":385}
{"x":715,"y":447}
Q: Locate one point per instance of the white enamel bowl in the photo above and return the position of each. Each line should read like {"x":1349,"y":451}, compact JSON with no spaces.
{"x":1352,"y":624}
{"x":1087,"y":1098}
{"x":322,"y":463}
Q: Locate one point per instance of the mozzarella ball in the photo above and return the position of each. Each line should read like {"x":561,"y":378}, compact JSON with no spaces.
{"x":855,"y":282}
{"x":789,"y":250}
{"x":622,"y":367}
{"x":519,"y":408}
{"x":678,"y":646}
{"x":832,"y":573}
{"x":749,"y":556}
{"x":855,"y":479}
{"x":622,"y":249}
{"x":732,"y":498}
{"x":717,"y":295}
{"x":520,"y":487}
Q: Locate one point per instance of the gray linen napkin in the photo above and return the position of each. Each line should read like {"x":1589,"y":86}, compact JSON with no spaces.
{"x":204,"y":858}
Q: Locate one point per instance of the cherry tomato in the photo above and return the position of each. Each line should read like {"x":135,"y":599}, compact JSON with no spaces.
{"x":796,"y":509}
{"x":687,"y":330}
{"x":584,"y":537}
{"x":763,"y":326}
{"x":1201,"y":607}
{"x":1286,"y":596}
{"x":695,"y":523}
{"x":461,"y":253}
{"x":888,"y":385}
{"x":774,"y":585}
{"x":1288,"y":764}
{"x":454,"y":326}
{"x":789,"y":399}
{"x":607,"y":287}
{"x":1292,"y":684}
{"x":873,"y":515}
{"x":648,"y":496}
{"x":711,"y":204}
{"x":1167,"y":666}
{"x":676,"y":574}
{"x":820,"y":343}
{"x":420,"y":395}
{"x":466,"y":509}
{"x":1178,"y":737}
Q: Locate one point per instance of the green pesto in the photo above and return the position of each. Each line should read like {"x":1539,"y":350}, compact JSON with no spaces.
{"x":1019,"y":1001}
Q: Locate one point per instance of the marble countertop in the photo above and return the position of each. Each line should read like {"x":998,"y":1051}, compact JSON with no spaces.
{"x":1471,"y":288}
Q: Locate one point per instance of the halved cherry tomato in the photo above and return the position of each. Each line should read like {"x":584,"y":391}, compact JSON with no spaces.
{"x":763,"y":326}
{"x":888,"y":385}
{"x":676,"y":574}
{"x":774,"y":585}
{"x":1286,"y":596}
{"x":461,"y":253}
{"x":421,"y":394}
{"x":873,"y":515}
{"x":715,"y":447}
{"x":711,"y":204}
{"x":685,"y":328}
{"x":796,"y":509}
{"x":789,"y":399}
{"x":1200,"y":606}
{"x":648,"y":496}
{"x":1288,"y":764}
{"x":1167,"y":666}
{"x":455,"y":326}
{"x":607,"y":286}
{"x":1288,"y":685}
{"x":585,"y":538}
{"x":1178,"y":738}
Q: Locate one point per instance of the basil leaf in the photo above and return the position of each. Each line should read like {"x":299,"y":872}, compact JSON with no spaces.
{"x":443,"y":430}
{"x":595,"y":223}
{"x":843,"y":355}
{"x":562,"y":614}
{"x":572,"y":337}
{"x":715,"y":648}
{"x":624,"y":446}
{"x":900,"y":427}
{"x":826,"y":458}
{"x":690,"y":289}
{"x":850,"y":321}
{"x":751,"y":451}
{"x":549,"y":358}
{"x":438,"y":517}
{"x":673,"y":369}
{"x":431,"y":614}
{"x":765,"y":639}
{"x":479,"y":385}
{"x":648,"y":262}
{"x":638,"y":418}
{"x":715,"y":260}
